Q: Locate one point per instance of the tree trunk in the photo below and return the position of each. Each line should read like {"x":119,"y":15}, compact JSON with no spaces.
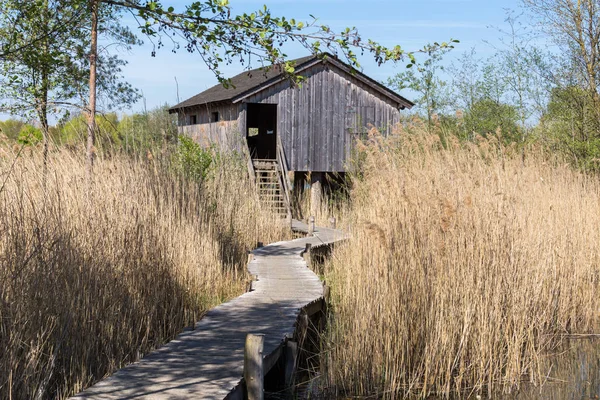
{"x":43,"y":116}
{"x":91,"y":139}
{"x":42,"y":108}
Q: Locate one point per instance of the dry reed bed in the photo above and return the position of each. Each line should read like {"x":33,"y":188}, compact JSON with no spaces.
{"x":90,"y":281}
{"x":465,"y":266}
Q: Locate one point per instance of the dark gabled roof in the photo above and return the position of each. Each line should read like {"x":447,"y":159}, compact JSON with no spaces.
{"x":250,"y":82}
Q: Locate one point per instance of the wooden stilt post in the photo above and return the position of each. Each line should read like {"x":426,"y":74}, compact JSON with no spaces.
{"x":253,"y":366}
{"x":316,"y":192}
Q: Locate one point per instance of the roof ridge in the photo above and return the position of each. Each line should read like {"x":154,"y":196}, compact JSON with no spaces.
{"x":250,"y":81}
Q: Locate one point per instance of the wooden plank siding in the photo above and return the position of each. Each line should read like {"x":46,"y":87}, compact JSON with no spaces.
{"x":225,"y":134}
{"x":317,"y":122}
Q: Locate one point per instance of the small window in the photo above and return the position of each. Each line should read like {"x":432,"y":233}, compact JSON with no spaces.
{"x":270,"y":132}
{"x":215,"y":117}
{"x":193,"y":120}
{"x":252,"y":132}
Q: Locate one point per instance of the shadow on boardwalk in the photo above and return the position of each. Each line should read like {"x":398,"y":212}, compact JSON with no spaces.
{"x":207,"y":362}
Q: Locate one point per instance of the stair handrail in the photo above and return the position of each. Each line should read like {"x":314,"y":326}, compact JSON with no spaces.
{"x":285,"y":178}
{"x":250,"y":165}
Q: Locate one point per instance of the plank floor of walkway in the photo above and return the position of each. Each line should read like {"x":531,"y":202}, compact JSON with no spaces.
{"x":207,"y":362}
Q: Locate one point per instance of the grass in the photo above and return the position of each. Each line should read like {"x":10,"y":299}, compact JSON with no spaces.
{"x":92,"y":279}
{"x":466,"y":264}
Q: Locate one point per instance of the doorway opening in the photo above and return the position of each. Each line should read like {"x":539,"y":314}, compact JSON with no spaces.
{"x":261,"y":130}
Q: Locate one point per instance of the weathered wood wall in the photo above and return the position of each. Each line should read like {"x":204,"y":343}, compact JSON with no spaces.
{"x":225,"y":133}
{"x":317,"y":122}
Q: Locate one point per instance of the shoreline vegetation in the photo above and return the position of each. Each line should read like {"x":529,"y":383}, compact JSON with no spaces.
{"x":468,"y":262}
{"x":92,"y":278}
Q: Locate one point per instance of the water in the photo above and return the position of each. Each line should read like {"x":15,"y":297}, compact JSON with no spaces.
{"x":573,"y":373}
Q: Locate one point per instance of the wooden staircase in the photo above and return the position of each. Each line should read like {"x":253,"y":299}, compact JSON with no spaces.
{"x":271,"y":187}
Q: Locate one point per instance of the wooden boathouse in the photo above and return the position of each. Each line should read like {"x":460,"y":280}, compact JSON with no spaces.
{"x":307,"y":129}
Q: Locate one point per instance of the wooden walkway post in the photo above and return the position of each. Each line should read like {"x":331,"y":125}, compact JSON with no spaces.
{"x":332,"y":222}
{"x":306,"y":253}
{"x":311,"y":225}
{"x":253,"y":366}
{"x":291,"y":359}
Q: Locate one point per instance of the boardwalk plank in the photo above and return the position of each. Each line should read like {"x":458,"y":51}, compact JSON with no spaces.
{"x":207,"y":362}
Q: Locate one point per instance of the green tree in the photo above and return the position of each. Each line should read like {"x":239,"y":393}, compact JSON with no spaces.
{"x":575,"y":27}
{"x":434,"y":94}
{"x":523,"y":68}
{"x":11,"y":128}
{"x":30,"y":135}
{"x":466,"y":79}
{"x":50,"y":77}
{"x":570,"y":118}
{"x":148,"y":131}
{"x":74,"y":131}
{"x":193,"y":160}
{"x":486,"y":97}
{"x":488,"y":115}
{"x":569,"y":112}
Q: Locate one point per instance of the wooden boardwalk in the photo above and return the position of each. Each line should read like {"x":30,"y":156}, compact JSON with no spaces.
{"x":207,"y":362}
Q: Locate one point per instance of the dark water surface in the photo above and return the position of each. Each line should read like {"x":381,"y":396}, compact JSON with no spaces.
{"x":573,"y":373}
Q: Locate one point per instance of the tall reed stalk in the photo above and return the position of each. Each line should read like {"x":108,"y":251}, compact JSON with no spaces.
{"x":91,"y":279}
{"x":464,"y":266}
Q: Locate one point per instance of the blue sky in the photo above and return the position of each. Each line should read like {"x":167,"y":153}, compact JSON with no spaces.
{"x":410,"y":24}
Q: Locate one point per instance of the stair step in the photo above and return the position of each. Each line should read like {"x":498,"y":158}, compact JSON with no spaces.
{"x":265,"y":166}
{"x":269,"y":190}
{"x":269,"y":186}
{"x":270,"y":193}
